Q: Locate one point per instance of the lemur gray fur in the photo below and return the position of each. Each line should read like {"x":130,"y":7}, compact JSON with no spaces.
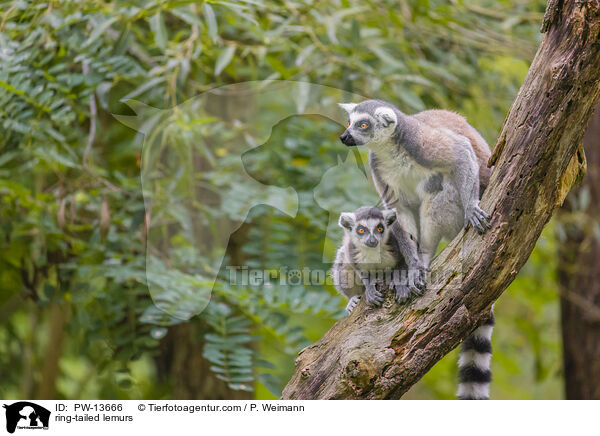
{"x":432,"y":168}
{"x":369,"y":257}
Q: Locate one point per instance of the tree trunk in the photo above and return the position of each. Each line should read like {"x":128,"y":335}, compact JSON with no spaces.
{"x":381,"y":353}
{"x":579,"y":278}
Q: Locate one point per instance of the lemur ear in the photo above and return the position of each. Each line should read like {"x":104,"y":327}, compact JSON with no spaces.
{"x":348,"y":107}
{"x":389,"y":215}
{"x":347,"y":220}
{"x":386,"y":116}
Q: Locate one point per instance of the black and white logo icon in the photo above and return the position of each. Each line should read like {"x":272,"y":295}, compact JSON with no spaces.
{"x":26,"y":415}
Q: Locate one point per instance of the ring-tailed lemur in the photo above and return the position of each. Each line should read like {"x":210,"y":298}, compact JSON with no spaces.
{"x":368,"y":257}
{"x":431,"y":167}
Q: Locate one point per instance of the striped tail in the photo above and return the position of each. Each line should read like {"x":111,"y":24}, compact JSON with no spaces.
{"x":474,"y":375}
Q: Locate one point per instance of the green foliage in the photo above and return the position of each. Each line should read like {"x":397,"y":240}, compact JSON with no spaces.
{"x":227,"y":348}
{"x":74,"y":225}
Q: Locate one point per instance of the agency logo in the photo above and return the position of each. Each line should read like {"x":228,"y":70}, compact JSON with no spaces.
{"x":26,"y":415}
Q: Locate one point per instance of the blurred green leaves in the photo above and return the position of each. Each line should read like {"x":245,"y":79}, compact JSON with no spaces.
{"x":224,"y":58}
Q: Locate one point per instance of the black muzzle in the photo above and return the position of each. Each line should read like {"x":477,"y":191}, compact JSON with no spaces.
{"x":347,"y":139}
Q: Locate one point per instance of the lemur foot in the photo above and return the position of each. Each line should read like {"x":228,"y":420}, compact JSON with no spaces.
{"x":352,"y":302}
{"x":478,"y":218}
{"x":402,"y":291}
{"x":374,"y":296}
{"x":403,"y":287}
{"x":417,"y":279}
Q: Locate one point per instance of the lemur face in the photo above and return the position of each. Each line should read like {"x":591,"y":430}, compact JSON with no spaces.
{"x":367,"y":226}
{"x":368,"y":122}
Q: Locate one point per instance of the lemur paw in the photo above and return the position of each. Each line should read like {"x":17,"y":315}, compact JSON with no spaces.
{"x":478,"y":218}
{"x":402,"y":291}
{"x":407,"y":285}
{"x":373,"y":295}
{"x":352,"y":302}
{"x":417,"y":279}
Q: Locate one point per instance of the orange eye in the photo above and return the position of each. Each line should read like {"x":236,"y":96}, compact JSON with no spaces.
{"x":380,"y":229}
{"x":361,"y":231}
{"x":348,"y":123}
{"x":364,"y":125}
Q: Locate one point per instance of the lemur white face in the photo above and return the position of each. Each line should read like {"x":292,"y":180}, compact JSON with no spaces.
{"x":367,"y":226}
{"x":368,"y":122}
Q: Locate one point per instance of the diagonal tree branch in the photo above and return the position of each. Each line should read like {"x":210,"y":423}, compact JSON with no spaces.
{"x":381,"y":353}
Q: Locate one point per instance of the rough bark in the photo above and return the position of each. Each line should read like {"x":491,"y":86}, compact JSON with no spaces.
{"x":579,"y":277}
{"x":381,"y":353}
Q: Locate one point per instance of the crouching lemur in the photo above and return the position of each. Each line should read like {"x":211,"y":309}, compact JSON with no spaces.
{"x":369,"y":257}
{"x":432,"y":168}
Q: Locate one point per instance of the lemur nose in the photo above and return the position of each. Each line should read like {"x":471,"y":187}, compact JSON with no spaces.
{"x":371,"y":242}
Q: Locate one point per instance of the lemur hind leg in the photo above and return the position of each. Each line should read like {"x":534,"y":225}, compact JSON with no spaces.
{"x":406,"y":220}
{"x":440,"y":217}
{"x":432,"y":236}
{"x":409,"y":247}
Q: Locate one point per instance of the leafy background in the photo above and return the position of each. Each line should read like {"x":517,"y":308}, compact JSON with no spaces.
{"x":76,"y":317}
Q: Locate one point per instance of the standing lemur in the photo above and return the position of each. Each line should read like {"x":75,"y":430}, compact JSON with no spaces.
{"x":431,"y":167}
